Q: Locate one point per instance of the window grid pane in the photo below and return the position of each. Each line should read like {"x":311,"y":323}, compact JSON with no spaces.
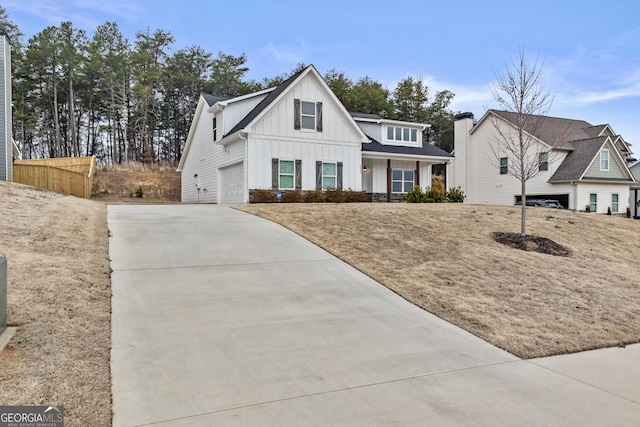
{"x":328,"y":181}
{"x":308,"y":108}
{"x":398,"y":134}
{"x":329,"y":169}
{"x":405,"y":134}
{"x":414,"y":135}
{"x":286,"y":167}
{"x":389,"y":132}
{"x":308,"y":122}
{"x":286,"y":181}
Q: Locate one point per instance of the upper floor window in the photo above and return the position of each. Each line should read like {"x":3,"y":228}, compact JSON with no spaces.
{"x":215,"y":125}
{"x":604,"y":160}
{"x":543,"y":161}
{"x":504,"y":165}
{"x":307,"y":115}
{"x":396,"y":133}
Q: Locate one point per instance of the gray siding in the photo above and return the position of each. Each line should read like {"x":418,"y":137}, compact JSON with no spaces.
{"x":615,"y":171}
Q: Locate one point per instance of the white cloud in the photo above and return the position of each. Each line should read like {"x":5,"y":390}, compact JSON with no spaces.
{"x":290,"y":55}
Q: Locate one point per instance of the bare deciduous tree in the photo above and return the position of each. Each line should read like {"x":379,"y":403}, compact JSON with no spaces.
{"x":520,"y":91}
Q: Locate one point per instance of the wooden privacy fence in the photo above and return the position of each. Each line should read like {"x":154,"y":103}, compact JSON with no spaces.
{"x":68,"y":175}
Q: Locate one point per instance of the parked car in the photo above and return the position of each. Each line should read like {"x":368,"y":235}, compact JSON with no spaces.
{"x":553,"y":204}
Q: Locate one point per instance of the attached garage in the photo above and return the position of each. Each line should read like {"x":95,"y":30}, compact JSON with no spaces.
{"x":232,"y":184}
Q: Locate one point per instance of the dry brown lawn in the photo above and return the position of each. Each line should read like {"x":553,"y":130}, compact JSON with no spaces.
{"x":59,"y":297}
{"x":442,"y":257}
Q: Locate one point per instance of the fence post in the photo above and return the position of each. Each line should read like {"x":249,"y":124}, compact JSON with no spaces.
{"x":3,"y":293}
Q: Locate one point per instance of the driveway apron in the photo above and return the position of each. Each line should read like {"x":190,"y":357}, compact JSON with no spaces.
{"x":223,"y":318}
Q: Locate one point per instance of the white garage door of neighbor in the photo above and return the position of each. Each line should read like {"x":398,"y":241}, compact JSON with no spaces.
{"x":232,"y":184}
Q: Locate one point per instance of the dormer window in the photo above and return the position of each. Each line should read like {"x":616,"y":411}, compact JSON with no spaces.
{"x":396,"y":133}
{"x":307,"y":115}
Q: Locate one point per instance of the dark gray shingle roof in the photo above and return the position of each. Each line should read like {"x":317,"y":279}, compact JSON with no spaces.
{"x":554,"y":131}
{"x":426,"y":150}
{"x":365,"y":116}
{"x":578,"y":160}
{"x":212,"y":99}
{"x":265,"y":102}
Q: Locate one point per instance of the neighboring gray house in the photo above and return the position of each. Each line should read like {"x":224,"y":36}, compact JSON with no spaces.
{"x":7,"y":146}
{"x":634,"y":197}
{"x":579,"y":164}
{"x":299,"y":136}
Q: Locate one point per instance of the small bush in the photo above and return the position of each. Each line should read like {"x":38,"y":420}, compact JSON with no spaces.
{"x":315,"y":196}
{"x":139,"y":192}
{"x":335,"y":195}
{"x":415,"y":195}
{"x":434,"y":195}
{"x":357,"y":196}
{"x":263,"y":196}
{"x":455,"y":195}
{"x":291,"y":196}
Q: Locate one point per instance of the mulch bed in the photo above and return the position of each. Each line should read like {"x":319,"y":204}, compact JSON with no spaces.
{"x":531,"y":243}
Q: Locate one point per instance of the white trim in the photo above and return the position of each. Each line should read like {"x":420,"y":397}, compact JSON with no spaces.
{"x":398,"y":156}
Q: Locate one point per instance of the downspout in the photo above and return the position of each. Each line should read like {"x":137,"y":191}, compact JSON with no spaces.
{"x":388,"y":180}
{"x":245,"y":136}
{"x":575,"y":195}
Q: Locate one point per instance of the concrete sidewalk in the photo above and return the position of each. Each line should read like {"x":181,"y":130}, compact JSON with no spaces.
{"x":222,"y":318}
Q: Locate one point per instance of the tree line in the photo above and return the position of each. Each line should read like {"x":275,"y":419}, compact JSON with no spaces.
{"x":76,"y":95}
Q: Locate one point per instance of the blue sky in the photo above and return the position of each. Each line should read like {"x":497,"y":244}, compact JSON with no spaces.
{"x":591,"y":49}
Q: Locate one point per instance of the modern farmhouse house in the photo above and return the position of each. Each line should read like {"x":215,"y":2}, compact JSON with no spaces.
{"x":299,"y":136}
{"x":578,"y":164}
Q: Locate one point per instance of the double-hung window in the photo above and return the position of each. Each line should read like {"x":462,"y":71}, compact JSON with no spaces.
{"x":543,"y":161}
{"x":307,"y":115}
{"x":329,"y":175}
{"x":402,"y":180}
{"x":287,"y":174}
{"x":614,"y":203}
{"x":604,"y":160}
{"x":504,"y":165}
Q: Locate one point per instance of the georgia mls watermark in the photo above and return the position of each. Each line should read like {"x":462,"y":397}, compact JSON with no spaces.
{"x":31,"y":416}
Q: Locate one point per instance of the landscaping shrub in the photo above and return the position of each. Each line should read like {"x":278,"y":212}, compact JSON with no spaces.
{"x":434,"y":195}
{"x":415,"y":195}
{"x":455,"y":195}
{"x":335,"y":195}
{"x":263,"y":196}
{"x":291,"y":196}
{"x":315,"y":196}
{"x":357,"y":196}
{"x":139,"y":192}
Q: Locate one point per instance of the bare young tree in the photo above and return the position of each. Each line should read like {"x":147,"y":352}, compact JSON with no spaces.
{"x":520,"y":91}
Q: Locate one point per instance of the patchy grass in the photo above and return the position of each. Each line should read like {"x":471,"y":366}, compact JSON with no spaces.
{"x":443,"y":258}
{"x":59,"y":297}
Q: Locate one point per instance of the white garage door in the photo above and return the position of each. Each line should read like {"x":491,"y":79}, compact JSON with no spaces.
{"x":232,"y":184}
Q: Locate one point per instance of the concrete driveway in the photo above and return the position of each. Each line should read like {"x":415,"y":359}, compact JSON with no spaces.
{"x":223,"y":318}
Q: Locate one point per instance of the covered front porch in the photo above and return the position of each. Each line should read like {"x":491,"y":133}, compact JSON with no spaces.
{"x":386,"y":178}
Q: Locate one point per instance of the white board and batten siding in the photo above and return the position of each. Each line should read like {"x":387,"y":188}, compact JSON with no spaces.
{"x":273,"y":136}
{"x":261,"y":150}
{"x":236,"y":111}
{"x":375,"y":179}
{"x":199,"y":176}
